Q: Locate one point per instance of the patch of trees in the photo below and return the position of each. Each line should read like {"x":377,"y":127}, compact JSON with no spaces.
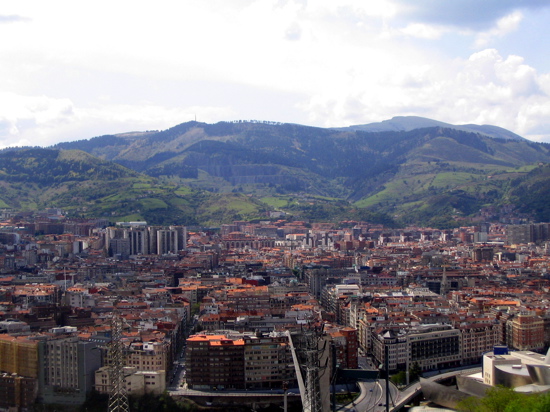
{"x":501,"y":399}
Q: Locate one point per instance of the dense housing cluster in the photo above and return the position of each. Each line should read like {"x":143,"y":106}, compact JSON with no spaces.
{"x":226,"y":300}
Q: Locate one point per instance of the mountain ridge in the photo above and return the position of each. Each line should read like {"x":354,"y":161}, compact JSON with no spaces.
{"x":408,"y":123}
{"x":415,"y":175}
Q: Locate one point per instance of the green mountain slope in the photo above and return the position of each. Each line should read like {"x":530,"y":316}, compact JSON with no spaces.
{"x":413,"y":174}
{"x":90,"y":187}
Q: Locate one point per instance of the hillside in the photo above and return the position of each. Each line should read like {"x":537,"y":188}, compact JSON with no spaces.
{"x":90,"y":187}
{"x":415,"y":175}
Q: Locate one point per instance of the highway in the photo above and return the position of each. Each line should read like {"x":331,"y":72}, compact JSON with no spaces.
{"x":372,"y":397}
{"x":373,"y":392}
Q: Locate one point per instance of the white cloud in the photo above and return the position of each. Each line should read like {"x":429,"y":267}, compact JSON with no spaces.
{"x":504,"y":26}
{"x":42,"y":121}
{"x":423,"y":31}
{"x":484,"y":89}
{"x":21,"y":114}
{"x":107,"y":67}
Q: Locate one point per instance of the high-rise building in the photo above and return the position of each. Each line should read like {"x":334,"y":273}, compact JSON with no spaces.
{"x":528,"y":233}
{"x":139,"y":241}
{"x":67,"y":366}
{"x":182,"y":236}
{"x":167,"y":241}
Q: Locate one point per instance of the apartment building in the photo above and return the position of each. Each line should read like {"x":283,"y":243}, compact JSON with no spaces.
{"x":17,"y":393}
{"x":239,"y":362}
{"x":430,"y":346}
{"x":268,"y":361}
{"x":67,"y":367}
{"x":215,"y":362}
{"x":19,"y":355}
{"x":136,"y":382}
{"x":147,"y":356}
{"x":478,"y":339}
{"x":525,"y":331}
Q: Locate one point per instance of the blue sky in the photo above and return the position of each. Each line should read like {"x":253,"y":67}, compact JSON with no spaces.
{"x":73,"y":70}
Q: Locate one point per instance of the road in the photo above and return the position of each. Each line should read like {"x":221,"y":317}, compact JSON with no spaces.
{"x":373,"y":397}
{"x":177,"y":380}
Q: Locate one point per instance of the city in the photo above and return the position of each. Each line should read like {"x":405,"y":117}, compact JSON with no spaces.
{"x":216,"y":310}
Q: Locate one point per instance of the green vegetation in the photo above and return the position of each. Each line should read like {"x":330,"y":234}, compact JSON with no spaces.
{"x":346,"y":398}
{"x":276,"y":202}
{"x":196,"y":173}
{"x":502,"y":399}
{"x":400,"y":378}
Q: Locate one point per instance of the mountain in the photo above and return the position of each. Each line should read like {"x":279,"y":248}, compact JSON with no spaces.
{"x":430,"y":174}
{"x":84,"y":185}
{"x":408,"y":123}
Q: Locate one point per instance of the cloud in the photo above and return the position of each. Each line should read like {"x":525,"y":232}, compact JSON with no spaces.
{"x":12,"y":19}
{"x":423,"y":31}
{"x":19,"y":114}
{"x":470,"y":14}
{"x":43,"y":121}
{"x":323,"y":62}
{"x":505,"y":25}
{"x":293,"y":32}
{"x":486,"y":88}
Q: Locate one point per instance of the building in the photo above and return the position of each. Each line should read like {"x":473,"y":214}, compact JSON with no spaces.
{"x":268,"y":361}
{"x":67,"y":367}
{"x":515,"y":369}
{"x":335,"y":297}
{"x":345,"y":342}
{"x":528,"y":233}
{"x":19,"y":355}
{"x":167,"y":241}
{"x":478,"y":339}
{"x":147,"y":356}
{"x":139,"y":241}
{"x":136,"y":382}
{"x":242,"y":362}
{"x":432,"y":347}
{"x":17,"y":393}
{"x":215,"y":362}
{"x":525,"y":331}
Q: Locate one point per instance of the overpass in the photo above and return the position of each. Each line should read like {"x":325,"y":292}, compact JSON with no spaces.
{"x":413,"y":390}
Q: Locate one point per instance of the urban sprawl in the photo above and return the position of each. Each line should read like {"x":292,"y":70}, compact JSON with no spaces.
{"x":214,"y":309}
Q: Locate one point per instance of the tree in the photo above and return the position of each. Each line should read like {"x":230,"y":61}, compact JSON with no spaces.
{"x":414,"y":372}
{"x":501,"y":399}
{"x":195,"y":308}
{"x":400,"y":378}
{"x":498,"y":398}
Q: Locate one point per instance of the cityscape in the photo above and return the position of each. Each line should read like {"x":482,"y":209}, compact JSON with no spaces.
{"x":275,"y":205}
{"x":274,"y":313}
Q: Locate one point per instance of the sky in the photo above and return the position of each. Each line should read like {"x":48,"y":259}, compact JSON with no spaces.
{"x":72,"y":70}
